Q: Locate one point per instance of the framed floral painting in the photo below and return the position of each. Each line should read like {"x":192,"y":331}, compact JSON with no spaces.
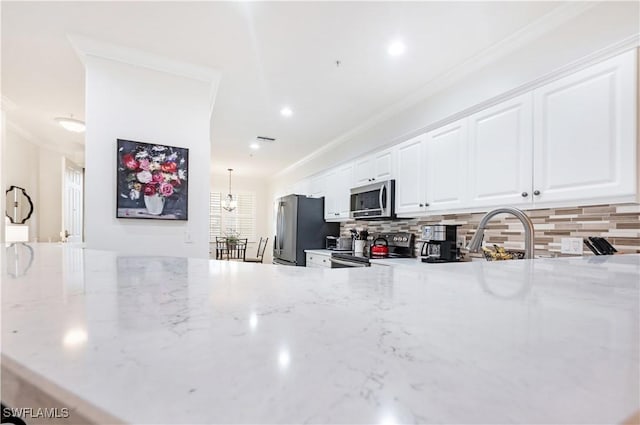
{"x":153,"y":181}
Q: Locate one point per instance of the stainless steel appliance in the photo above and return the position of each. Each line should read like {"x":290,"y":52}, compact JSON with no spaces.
{"x":341,"y":261}
{"x":339,"y":243}
{"x":400,"y":245}
{"x":373,"y":201}
{"x":440,"y":244}
{"x":300,"y":225}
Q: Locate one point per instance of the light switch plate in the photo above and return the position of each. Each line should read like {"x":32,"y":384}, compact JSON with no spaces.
{"x":571,"y":246}
{"x":187,"y":237}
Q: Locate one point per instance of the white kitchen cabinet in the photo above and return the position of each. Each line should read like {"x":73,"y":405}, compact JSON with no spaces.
{"x":410,"y":179}
{"x":445,"y":151}
{"x":338,"y":184}
{"x":585,"y":134}
{"x":570,"y":142}
{"x":317,"y":259}
{"x":317,"y":186}
{"x":374,"y":167}
{"x":302,"y":187}
{"x":500,"y":160}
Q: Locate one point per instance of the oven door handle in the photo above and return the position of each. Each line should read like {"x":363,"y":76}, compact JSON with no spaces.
{"x":348,"y":263}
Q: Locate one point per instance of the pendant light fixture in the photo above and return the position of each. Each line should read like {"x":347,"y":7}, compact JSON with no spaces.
{"x":229,"y":203}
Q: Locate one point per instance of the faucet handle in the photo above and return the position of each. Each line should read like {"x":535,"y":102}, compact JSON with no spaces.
{"x":525,"y":194}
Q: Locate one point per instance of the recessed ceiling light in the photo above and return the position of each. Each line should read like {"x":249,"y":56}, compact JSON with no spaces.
{"x":255,"y":146}
{"x":396,"y":48}
{"x":286,"y":111}
{"x":71,"y":124}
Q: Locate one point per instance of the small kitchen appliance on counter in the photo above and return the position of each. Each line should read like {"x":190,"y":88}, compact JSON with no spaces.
{"x":440,"y":244}
{"x":339,"y":243}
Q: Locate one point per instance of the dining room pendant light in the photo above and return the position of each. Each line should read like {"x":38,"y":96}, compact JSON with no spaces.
{"x":229,"y":203}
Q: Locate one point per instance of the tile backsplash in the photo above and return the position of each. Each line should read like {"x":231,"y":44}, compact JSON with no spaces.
{"x":619,"y":224}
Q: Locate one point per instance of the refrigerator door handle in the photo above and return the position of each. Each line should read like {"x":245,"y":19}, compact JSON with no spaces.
{"x":280,"y":224}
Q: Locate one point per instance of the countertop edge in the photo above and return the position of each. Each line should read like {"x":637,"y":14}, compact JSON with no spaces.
{"x":24,"y":388}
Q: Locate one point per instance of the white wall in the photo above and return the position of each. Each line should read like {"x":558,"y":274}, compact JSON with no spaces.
{"x":136,"y":103}
{"x":40,"y":172}
{"x":21,"y":166}
{"x":49,"y":203}
{"x":3,"y":185}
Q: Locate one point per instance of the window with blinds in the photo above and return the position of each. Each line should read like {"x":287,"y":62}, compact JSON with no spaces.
{"x":241,"y":221}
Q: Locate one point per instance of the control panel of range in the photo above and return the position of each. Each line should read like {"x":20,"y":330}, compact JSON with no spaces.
{"x":406,"y":240}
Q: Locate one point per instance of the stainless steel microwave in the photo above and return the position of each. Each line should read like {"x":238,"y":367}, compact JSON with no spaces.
{"x":373,"y":201}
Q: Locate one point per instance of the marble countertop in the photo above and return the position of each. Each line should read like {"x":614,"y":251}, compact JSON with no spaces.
{"x":175,"y":340}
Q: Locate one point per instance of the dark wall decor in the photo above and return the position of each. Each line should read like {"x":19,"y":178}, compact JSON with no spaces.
{"x":18,"y":204}
{"x":152,"y":181}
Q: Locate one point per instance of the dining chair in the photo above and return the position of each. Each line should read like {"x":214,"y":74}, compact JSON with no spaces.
{"x":262,"y":246}
{"x":237,"y":250}
{"x":221,"y":248}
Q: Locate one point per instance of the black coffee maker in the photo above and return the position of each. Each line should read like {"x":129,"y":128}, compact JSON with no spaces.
{"x":440,"y":243}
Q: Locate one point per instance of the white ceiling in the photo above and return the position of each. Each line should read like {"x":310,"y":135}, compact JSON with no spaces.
{"x":270,"y":54}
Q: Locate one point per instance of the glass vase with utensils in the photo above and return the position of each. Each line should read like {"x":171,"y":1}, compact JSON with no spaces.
{"x":359,"y":241}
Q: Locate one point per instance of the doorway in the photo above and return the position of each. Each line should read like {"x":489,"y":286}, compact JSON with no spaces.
{"x":73,"y":202}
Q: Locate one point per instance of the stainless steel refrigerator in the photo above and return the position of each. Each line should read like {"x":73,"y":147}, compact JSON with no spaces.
{"x":300,"y":225}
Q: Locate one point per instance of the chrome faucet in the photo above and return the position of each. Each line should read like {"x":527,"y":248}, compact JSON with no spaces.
{"x":476,"y":241}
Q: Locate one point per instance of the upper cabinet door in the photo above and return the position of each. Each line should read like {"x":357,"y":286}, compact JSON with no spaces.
{"x":410,"y":189}
{"x":344,"y":177}
{"x":317,"y":186}
{"x":446,"y":166}
{"x":585,"y":133}
{"x":331,"y":194}
{"x":363,"y":171}
{"x":336,"y":201}
{"x":383,"y":164}
{"x":500,"y":154}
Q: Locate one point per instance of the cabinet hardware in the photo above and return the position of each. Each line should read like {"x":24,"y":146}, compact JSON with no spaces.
{"x":421,"y":205}
{"x":525,"y":194}
{"x":536,"y":192}
{"x":426,"y":204}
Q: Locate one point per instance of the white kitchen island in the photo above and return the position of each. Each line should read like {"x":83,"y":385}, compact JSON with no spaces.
{"x":174,"y":340}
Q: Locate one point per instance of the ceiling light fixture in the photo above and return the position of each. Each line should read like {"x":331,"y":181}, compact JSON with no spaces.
{"x":396,"y":48}
{"x":255,"y":146}
{"x":71,"y":124}
{"x":286,"y":111}
{"x":229,"y":203}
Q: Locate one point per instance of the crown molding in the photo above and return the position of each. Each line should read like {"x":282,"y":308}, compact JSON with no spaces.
{"x":86,"y":47}
{"x":22,"y":133}
{"x":29,"y":137}
{"x":542,"y":25}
